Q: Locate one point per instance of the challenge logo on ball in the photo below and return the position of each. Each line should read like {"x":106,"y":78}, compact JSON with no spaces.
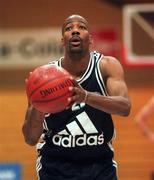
{"x":47,"y":88}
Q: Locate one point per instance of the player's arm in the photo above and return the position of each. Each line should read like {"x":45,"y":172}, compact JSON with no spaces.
{"x":117,"y":101}
{"x":142,"y":117}
{"x":33,"y":125}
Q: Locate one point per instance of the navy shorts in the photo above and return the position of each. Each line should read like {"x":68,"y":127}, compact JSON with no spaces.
{"x":66,"y":170}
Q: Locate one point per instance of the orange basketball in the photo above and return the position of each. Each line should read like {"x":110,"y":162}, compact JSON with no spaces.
{"x":47,"y":88}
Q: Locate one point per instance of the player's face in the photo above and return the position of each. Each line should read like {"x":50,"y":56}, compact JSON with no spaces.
{"x":76,"y":36}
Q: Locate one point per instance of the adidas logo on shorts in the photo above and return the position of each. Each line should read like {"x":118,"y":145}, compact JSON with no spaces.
{"x":81,"y":132}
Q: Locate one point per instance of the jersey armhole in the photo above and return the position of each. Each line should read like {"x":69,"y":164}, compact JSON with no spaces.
{"x":99,"y":77}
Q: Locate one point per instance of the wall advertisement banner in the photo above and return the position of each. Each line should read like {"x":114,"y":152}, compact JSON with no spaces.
{"x":29,"y":47}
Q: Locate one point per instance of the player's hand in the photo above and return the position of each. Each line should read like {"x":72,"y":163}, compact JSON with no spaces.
{"x":79,"y":94}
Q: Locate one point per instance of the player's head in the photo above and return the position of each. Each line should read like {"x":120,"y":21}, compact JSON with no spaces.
{"x":74,"y":18}
{"x":76,"y":35}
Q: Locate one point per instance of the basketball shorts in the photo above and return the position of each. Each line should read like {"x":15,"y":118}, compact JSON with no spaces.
{"x":66,"y":170}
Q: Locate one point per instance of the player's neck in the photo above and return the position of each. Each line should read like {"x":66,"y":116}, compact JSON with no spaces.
{"x":76,"y":66}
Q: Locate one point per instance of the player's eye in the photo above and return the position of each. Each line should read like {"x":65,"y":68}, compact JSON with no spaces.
{"x":69,"y":28}
{"x":82,"y":27}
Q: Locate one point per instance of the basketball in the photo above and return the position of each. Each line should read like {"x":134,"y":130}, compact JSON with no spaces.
{"x":47,"y":88}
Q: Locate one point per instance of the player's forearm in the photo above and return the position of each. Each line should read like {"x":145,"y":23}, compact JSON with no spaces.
{"x":113,"y":105}
{"x":33,"y":126}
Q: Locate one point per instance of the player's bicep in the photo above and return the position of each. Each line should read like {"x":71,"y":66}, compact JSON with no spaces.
{"x":116,"y":87}
{"x":115,"y":82}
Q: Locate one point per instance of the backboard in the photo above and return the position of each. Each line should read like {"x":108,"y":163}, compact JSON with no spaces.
{"x":138,"y":35}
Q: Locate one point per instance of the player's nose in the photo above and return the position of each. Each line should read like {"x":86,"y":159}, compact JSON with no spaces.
{"x":75,"y":32}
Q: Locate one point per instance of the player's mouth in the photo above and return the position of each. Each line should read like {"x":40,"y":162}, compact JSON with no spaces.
{"x":75,"y":41}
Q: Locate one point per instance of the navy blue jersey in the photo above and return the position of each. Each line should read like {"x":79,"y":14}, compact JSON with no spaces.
{"x":80,"y":132}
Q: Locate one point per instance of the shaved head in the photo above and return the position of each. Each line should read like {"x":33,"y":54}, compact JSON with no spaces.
{"x":74,"y":18}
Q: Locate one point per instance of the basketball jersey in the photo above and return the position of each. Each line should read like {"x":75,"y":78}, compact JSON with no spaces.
{"x":82,"y":131}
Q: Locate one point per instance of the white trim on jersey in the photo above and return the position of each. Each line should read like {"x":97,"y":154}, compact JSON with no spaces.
{"x":110,"y":142}
{"x":115,"y":164}
{"x":40,"y":144}
{"x":45,"y":125}
{"x":110,"y":145}
{"x":100,"y":78}
{"x":38,"y":166}
{"x":88,"y":70}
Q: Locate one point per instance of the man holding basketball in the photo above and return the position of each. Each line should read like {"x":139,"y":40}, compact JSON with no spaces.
{"x":76,"y":144}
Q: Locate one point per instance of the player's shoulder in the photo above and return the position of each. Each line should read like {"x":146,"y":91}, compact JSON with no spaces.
{"x":106,"y":61}
{"x":109,"y":59}
{"x":103,"y":58}
{"x":110,"y":62}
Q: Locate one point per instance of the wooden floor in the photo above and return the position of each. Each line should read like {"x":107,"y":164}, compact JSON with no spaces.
{"x":133,"y":152}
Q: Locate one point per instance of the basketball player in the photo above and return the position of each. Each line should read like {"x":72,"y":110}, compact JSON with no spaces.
{"x":142,"y":117}
{"x":76,"y":144}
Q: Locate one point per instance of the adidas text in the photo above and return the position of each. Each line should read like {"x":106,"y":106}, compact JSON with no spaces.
{"x":73,"y":141}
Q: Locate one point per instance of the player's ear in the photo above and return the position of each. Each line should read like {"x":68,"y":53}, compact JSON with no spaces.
{"x":90,"y":39}
{"x":62,"y":41}
{"x":91,"y":42}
